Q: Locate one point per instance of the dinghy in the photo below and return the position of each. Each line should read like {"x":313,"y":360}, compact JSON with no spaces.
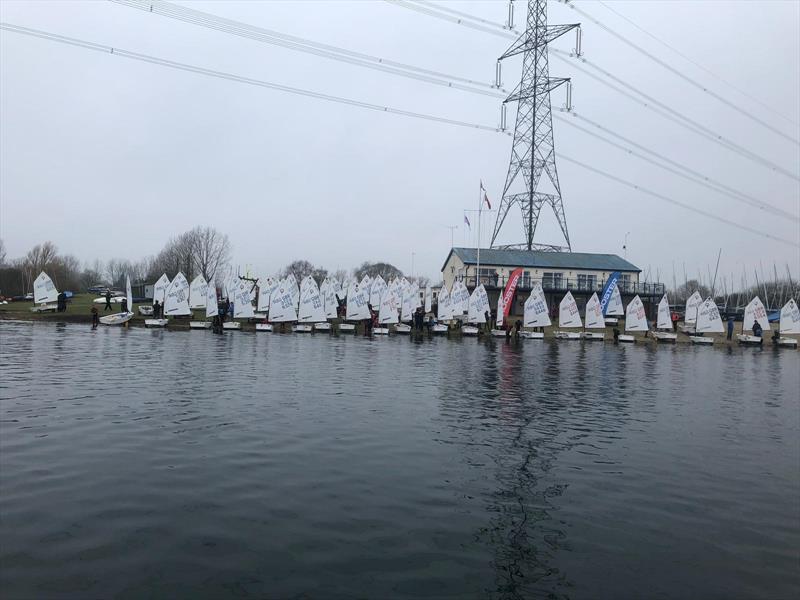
{"x":497,"y":331}
{"x":535,"y":313}
{"x":568,"y":317}
{"x":176,"y":303}
{"x":443,"y":312}
{"x":212,"y":308}
{"x":121,"y":317}
{"x":406,"y":308}
{"x":664,"y":323}
{"x":753,"y":312}
{"x":329,"y":303}
{"x":476,"y":314}
{"x":44,"y":293}
{"x":789,"y":324}
{"x":594,"y":320}
{"x":635,"y":319}
{"x":357,"y":306}
{"x":265,"y":291}
{"x":690,"y":312}
{"x":197,"y":293}
{"x":281,"y":304}
{"x":312,"y":310}
{"x":428,"y":299}
{"x":387,"y":311}
{"x":615,"y":308}
{"x":159,"y":293}
{"x":708,"y":321}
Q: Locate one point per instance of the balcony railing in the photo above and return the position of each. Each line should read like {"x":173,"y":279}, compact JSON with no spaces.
{"x":569,"y":285}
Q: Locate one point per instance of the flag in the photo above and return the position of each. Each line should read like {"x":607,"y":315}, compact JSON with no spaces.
{"x":608,"y":289}
{"x":466,"y":220}
{"x":511,"y":287}
{"x":483,"y":189}
{"x":486,"y":198}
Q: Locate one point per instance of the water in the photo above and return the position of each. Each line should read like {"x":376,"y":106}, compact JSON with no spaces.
{"x":137,"y":463}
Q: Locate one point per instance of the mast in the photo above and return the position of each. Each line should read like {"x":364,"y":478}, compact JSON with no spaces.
{"x":480,"y":206}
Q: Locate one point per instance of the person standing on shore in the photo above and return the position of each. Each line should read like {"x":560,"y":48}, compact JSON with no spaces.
{"x":95,"y":317}
{"x":730,"y":328}
{"x":108,"y":301}
{"x":156,"y":309}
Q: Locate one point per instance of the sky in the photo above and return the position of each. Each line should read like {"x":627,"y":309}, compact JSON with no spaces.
{"x":109,"y":157}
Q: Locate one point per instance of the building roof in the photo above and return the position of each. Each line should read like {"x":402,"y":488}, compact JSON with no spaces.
{"x":543,"y":260}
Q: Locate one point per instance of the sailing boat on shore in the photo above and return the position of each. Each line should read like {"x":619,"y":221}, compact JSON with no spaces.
{"x":311,"y":310}
{"x":615,"y":307}
{"x":357,"y":305}
{"x":754,"y":312}
{"x":44,"y":292}
{"x":211,"y":307}
{"x":789,"y":324}
{"x":242,"y":303}
{"x":635,"y":319}
{"x":160,"y":295}
{"x":121,"y":317}
{"x":443,"y":311}
{"x":498,"y":330}
{"x":535,"y":313}
{"x":387,"y":310}
{"x":197,"y":293}
{"x":664,"y":322}
{"x":691,"y":311}
{"x":476,"y":313}
{"x":281,"y":304}
{"x":407,"y":305}
{"x":568,"y":317}
{"x":708,"y":321}
{"x":594,"y":319}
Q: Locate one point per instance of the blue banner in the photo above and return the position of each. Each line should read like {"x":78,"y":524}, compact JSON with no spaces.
{"x":608,"y":289}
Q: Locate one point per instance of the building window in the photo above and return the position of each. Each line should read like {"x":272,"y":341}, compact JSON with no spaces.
{"x":625,"y":282}
{"x":488,"y":276}
{"x":553,"y":280}
{"x":587,"y":282}
{"x":525,"y":280}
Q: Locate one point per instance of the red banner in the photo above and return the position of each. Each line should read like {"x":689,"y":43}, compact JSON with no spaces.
{"x":511,"y":287}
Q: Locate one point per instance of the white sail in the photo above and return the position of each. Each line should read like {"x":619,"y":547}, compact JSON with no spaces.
{"x":265,"y":290}
{"x":377,"y":290}
{"x":417,"y":297}
{"x":428,"y":299}
{"x":708,"y":319}
{"x":294,"y":289}
{"x":664,"y":315}
{"x":160,"y":289}
{"x":387,"y":314}
{"x":459,"y":299}
{"x":212,"y":308}
{"x":635,"y":316}
{"x":197,"y":292}
{"x":443,"y":304}
{"x":330,"y":302}
{"x":407,"y":305}
{"x":790,"y":318}
{"x":594,"y":314}
{"x":44,"y":290}
{"x":478,"y":305}
{"x":311,"y":303}
{"x":753,"y":312}
{"x":177,"y":297}
{"x":568,"y":314}
{"x":281,"y":304}
{"x":242,"y":303}
{"x":692,"y":307}
{"x":536,"y":313}
{"x":501,"y":309}
{"x":129,"y":293}
{"x":357,"y":309}
{"x":366,"y":285}
{"x":338,"y":287}
{"x":615,"y":308}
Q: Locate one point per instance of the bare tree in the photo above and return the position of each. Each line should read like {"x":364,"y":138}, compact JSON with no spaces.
{"x":385,"y":270}
{"x":340,"y":275}
{"x":2,"y":252}
{"x":210,"y":250}
{"x":299,"y":268}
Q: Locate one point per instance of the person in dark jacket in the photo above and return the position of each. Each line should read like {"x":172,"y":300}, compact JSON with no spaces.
{"x":95,"y":317}
{"x":108,"y":301}
{"x":730,"y":327}
{"x":757,"y":331}
{"x":156,"y":309}
{"x":124,"y":305}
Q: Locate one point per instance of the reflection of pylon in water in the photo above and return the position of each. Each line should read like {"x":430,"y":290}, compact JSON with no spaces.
{"x":533,"y":150}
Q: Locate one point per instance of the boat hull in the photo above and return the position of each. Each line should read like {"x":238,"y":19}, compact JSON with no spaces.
{"x":596,"y":337}
{"x":402,"y":328}
{"x":381,"y":331}
{"x":787,"y":342}
{"x":322,"y":326}
{"x":749,"y":340}
{"x":700,"y":340}
{"x":665,"y":336}
{"x":627,"y":339}
{"x":469,"y":330}
{"x":155,"y":322}
{"x":686,"y":328}
{"x":146,"y":311}
{"x":611,"y":320}
{"x":117,"y":318}
{"x":347,"y":327}
{"x":567,"y":335}
{"x":263,"y":326}
{"x":45,"y":308}
{"x":232,"y":326}
{"x":532,"y":335}
{"x":199,"y":324}
{"x":302,"y":328}
{"x":439,"y":329}
{"x":498,"y":333}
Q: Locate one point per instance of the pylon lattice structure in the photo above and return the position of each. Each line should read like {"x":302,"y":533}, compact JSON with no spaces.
{"x":533,"y":150}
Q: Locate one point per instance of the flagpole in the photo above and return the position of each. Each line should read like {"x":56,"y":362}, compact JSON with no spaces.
{"x":480,"y":206}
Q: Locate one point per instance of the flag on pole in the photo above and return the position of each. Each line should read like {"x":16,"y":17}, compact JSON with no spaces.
{"x":466,"y":220}
{"x":483,"y":189}
{"x":486,"y":198}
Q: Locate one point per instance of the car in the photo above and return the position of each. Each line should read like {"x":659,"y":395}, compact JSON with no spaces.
{"x":98,"y":289}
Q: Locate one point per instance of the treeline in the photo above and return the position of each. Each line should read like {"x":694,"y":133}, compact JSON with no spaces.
{"x":774,"y":294}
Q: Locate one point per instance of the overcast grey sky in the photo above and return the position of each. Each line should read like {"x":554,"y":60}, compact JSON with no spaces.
{"x":109,"y":157}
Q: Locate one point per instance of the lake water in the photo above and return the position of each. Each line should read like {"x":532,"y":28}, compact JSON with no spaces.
{"x":138,"y":463}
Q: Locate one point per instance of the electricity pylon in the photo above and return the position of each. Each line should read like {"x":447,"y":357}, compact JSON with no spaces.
{"x":533,"y":150}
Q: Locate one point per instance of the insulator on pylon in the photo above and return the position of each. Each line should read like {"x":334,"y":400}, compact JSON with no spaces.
{"x":511,"y":14}
{"x":497,"y":75}
{"x":578,"y":35}
{"x":502,"y":117}
{"x":569,"y":97}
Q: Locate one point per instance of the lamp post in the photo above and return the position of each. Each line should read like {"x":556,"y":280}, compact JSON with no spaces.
{"x":625,"y":245}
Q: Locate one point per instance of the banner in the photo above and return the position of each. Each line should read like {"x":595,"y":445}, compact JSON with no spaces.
{"x":608,"y":289}
{"x":511,"y":287}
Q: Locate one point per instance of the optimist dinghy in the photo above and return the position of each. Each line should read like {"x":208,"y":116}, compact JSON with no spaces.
{"x":635,"y":319}
{"x":789,"y":323}
{"x":568,"y":317}
{"x":707,"y":321}
{"x":159,"y":293}
{"x":497,"y":331}
{"x":478,"y":307}
{"x":535,"y":313}
{"x":211,"y":306}
{"x":594,"y":320}
{"x":755,"y":312}
{"x":45,"y":293}
{"x":615,"y":308}
{"x":664,"y":323}
{"x":690,"y":313}
{"x":121,"y":317}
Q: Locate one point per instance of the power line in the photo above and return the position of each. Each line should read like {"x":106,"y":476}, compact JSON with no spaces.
{"x":681,"y":119}
{"x":351,"y":102}
{"x":681,"y":75}
{"x":464,"y":15}
{"x":697,"y":64}
{"x":435,"y":12}
{"x":676,"y":202}
{"x":238,"y":78}
{"x":276,"y":38}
